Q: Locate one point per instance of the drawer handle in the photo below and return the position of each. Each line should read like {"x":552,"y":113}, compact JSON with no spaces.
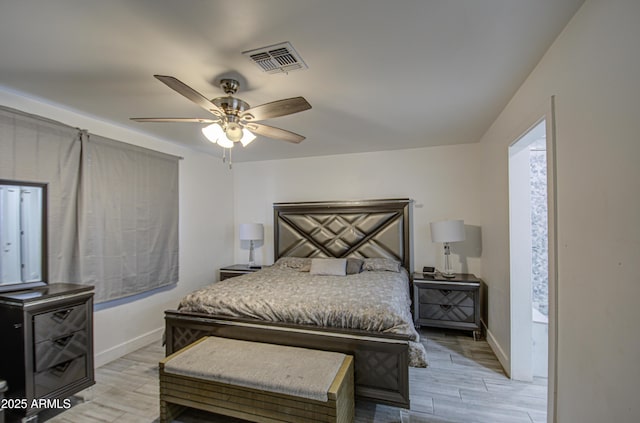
{"x":445,"y":307}
{"x":445,"y":292}
{"x":63,"y":341}
{"x":61,"y":368}
{"x":60,"y":316}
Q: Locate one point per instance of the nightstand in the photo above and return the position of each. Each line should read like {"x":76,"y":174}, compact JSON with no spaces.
{"x":237,"y":270}
{"x":452,"y":303}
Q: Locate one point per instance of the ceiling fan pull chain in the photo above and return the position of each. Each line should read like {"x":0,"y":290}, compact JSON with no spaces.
{"x":230,"y":164}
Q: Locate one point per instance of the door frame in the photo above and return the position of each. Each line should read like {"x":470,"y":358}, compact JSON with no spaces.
{"x":516,"y":368}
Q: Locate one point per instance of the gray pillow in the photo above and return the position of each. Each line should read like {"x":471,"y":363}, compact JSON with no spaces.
{"x":329,"y":266}
{"x":354,"y":266}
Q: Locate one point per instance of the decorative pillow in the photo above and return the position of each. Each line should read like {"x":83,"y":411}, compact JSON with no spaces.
{"x":305,"y":267}
{"x":329,"y":266}
{"x":295,"y":263}
{"x":354,"y":266}
{"x":381,"y":265}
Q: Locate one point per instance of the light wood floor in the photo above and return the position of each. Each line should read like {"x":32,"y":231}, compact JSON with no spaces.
{"x":463,"y":384}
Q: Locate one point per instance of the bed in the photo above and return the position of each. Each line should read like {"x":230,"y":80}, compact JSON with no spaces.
{"x":373,"y":233}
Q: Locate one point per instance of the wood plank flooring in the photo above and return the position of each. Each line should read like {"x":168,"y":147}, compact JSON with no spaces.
{"x":463,"y":384}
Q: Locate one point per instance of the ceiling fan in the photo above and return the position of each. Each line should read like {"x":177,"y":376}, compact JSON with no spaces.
{"x":234,"y":121}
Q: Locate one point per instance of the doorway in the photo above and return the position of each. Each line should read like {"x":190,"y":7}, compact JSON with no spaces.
{"x":529,"y":254}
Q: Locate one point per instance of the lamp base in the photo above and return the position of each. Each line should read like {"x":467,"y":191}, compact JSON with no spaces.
{"x":448,"y":272}
{"x":252,"y":261}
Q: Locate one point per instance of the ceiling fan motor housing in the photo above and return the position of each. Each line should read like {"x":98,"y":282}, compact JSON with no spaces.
{"x":232,"y":107}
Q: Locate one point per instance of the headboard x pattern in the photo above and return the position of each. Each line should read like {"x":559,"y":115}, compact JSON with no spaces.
{"x":371,"y":228}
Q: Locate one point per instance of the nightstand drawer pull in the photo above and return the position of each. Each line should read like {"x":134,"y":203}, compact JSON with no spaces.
{"x":63,"y":341}
{"x":61,"y":316}
{"x":61,"y":368}
{"x":445,"y":307}
{"x":445,"y":292}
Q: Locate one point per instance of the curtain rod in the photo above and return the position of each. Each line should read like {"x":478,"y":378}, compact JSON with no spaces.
{"x":133,"y":146}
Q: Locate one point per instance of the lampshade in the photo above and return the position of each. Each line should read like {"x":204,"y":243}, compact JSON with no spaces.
{"x":216,"y":134}
{"x":247,"y":137}
{"x":251,"y":231}
{"x":447,"y":231}
{"x":213,"y":132}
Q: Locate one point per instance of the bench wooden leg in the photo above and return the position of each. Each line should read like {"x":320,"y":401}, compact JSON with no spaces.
{"x":169,"y":412}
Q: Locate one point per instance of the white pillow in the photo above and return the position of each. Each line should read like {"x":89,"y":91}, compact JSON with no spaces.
{"x":329,"y":266}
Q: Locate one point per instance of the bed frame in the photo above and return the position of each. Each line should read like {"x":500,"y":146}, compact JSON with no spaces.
{"x":372,"y":228}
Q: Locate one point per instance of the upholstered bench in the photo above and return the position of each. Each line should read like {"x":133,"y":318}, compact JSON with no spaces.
{"x":257,"y":382}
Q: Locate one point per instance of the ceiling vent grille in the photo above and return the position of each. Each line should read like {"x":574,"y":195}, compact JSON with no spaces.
{"x":277,"y":58}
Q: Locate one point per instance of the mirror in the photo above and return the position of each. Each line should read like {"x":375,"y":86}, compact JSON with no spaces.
{"x":23,"y":235}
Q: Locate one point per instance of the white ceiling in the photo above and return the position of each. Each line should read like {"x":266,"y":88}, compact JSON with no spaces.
{"x":382,"y":74}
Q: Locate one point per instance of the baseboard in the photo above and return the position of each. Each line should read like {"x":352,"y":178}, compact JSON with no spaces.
{"x":113,"y":353}
{"x":499,"y":352}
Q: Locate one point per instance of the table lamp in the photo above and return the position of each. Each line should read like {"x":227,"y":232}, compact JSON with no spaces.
{"x":447,"y":231}
{"x":251,"y":232}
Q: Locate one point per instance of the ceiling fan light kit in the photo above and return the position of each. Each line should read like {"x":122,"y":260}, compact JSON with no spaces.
{"x":226,"y":139}
{"x":235,"y":121}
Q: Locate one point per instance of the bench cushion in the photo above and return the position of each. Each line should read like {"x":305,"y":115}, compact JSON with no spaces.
{"x":294,"y":371}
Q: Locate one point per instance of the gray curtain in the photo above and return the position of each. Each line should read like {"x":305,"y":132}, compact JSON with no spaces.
{"x":128,"y":223}
{"x":35,"y":149}
{"x":112,"y":206}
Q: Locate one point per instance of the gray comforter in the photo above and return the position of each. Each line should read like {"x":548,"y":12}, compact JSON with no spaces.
{"x":375,"y":301}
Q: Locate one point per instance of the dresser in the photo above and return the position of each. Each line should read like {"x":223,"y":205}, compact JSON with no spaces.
{"x":453,"y":303}
{"x":47,"y":344}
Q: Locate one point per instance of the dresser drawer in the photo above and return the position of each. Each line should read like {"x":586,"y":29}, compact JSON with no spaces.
{"x":55,"y":324}
{"x":462,"y":298}
{"x":52,"y":352}
{"x":60,"y":376}
{"x":446,"y":312}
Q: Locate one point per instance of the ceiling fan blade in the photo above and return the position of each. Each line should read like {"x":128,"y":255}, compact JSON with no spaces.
{"x":188,"y":92}
{"x":185,"y":120}
{"x":275,"y":133}
{"x":274,"y":109}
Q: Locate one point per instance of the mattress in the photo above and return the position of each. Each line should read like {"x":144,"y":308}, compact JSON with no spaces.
{"x":374,"y":301}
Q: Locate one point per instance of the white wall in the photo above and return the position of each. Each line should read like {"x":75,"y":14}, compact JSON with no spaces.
{"x":443,"y":181}
{"x":593,"y":68}
{"x":206,"y":232}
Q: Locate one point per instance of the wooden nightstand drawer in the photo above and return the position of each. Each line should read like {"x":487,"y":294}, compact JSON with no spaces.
{"x":448,"y":313}
{"x":227,"y":275}
{"x":60,"y":375}
{"x":54,"y":324}
{"x":236,"y":270}
{"x":447,"y":297}
{"x":53,"y":352}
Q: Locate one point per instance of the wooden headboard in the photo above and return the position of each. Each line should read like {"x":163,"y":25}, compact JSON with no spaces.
{"x":363,"y":229}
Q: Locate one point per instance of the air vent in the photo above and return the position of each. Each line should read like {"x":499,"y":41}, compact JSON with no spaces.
{"x":277,"y":58}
